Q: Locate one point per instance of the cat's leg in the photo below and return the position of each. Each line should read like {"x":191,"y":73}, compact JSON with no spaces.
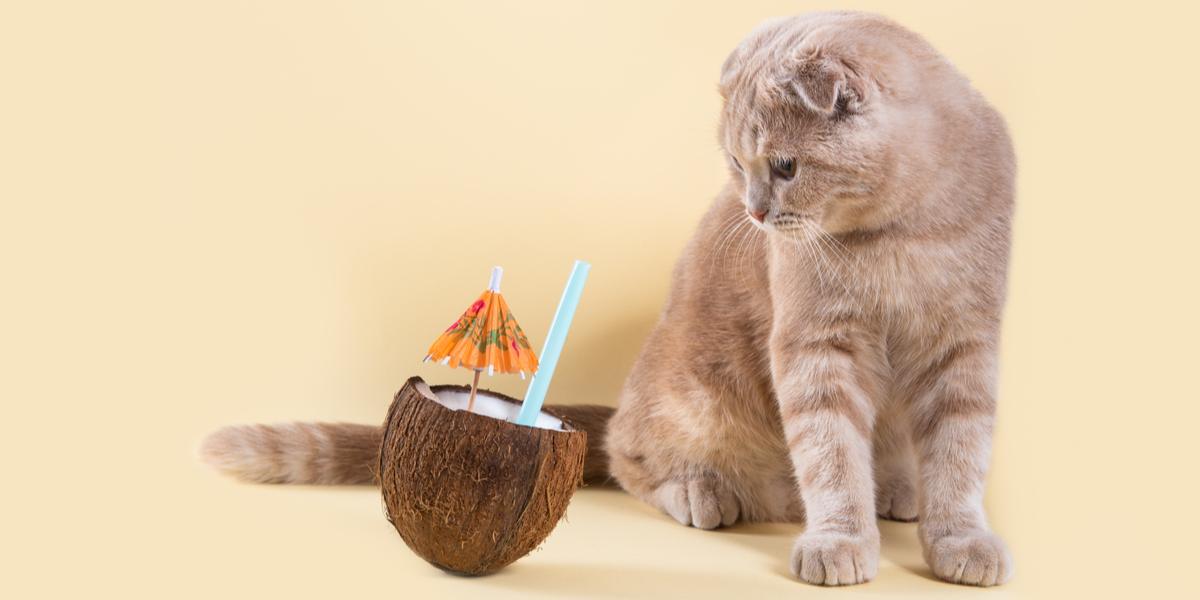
{"x":699,"y":456}
{"x":952,"y":427}
{"x":895,"y":467}
{"x":650,"y":459}
{"x":826,"y":402}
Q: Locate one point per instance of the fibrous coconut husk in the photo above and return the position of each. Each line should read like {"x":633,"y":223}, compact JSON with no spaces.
{"x":470,"y":493}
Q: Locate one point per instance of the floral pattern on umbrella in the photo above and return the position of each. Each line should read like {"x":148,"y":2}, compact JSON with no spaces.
{"x":486,"y":337}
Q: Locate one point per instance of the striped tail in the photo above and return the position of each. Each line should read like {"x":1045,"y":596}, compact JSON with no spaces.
{"x":321,"y":453}
{"x":347,"y":454}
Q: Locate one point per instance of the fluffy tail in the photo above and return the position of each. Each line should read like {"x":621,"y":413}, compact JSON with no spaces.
{"x":347,"y":454}
{"x":325,"y":453}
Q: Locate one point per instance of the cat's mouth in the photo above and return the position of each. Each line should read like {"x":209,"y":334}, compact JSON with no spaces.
{"x":791,"y":224}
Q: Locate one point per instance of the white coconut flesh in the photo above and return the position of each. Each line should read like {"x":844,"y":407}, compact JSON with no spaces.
{"x":488,"y":406}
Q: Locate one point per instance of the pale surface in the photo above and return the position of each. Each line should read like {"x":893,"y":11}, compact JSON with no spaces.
{"x":236,"y":211}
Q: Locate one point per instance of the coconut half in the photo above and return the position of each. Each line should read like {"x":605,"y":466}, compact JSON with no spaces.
{"x":471,"y":492}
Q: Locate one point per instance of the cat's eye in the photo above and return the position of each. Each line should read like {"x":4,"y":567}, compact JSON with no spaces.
{"x":737,"y":165}
{"x":783,"y":168}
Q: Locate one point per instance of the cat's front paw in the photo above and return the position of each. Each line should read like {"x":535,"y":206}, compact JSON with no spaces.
{"x":835,"y":559}
{"x":702,"y":502}
{"x":973,"y":558}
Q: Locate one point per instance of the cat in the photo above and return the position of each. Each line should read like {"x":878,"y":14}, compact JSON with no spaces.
{"x":828,"y":347}
{"x":833,"y":325}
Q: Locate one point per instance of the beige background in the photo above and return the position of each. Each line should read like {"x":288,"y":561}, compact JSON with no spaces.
{"x":220,"y":212}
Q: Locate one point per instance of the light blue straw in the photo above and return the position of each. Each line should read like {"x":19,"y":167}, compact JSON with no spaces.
{"x":536,"y":394}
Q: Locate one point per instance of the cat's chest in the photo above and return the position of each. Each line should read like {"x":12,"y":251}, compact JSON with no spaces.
{"x":887,"y":280}
{"x":910,"y":278}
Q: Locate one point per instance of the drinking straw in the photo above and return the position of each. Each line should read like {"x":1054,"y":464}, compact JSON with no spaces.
{"x":557,"y":336}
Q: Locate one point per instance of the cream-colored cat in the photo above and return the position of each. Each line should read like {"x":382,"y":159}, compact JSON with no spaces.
{"x":833,"y":325}
{"x":828,"y":348}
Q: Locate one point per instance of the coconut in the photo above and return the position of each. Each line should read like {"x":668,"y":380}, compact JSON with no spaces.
{"x":471,"y":492}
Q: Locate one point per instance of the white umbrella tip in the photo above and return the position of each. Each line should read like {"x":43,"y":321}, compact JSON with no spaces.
{"x":494,"y":284}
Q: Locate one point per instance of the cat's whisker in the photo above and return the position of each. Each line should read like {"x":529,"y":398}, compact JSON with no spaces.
{"x":822,"y":250}
{"x":731,"y":242}
{"x":728,"y":227}
{"x":734,"y":240}
{"x":842,"y":263}
{"x":827,"y":269}
{"x":822,"y":238}
{"x":734,"y":243}
{"x":805,"y":242}
{"x":747,"y":249}
{"x":851,"y":261}
{"x":836,"y":246}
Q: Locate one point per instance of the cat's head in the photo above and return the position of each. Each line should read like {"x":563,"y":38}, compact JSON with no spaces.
{"x":815,"y":125}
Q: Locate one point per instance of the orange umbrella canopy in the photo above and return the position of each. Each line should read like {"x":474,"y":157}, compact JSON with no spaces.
{"x":486,"y":337}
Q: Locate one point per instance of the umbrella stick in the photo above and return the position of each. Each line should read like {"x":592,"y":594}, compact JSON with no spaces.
{"x":474,"y":387}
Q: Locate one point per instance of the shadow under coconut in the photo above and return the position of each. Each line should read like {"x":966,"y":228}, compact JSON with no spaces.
{"x":627,"y":581}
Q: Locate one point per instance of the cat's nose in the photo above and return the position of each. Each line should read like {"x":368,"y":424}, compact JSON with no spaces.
{"x":757,"y":215}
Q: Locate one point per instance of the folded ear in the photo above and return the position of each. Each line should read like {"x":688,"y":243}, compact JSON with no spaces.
{"x":827,"y":86}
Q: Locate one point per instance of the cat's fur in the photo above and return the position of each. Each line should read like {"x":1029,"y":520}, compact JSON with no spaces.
{"x":838,"y":360}
{"x":849,"y":350}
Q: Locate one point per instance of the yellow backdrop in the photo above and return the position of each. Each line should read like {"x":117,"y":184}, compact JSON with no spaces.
{"x":233,"y":211}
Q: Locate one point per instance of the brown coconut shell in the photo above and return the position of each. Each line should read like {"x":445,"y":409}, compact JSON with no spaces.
{"x":470,"y":493}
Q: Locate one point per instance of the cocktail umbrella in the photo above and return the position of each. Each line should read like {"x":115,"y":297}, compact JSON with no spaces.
{"x":485,"y":338}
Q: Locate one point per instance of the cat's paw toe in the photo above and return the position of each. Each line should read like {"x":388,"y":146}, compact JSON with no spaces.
{"x":896,"y":500}
{"x":701,"y":502}
{"x":975,"y":558}
{"x":835,"y":559}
